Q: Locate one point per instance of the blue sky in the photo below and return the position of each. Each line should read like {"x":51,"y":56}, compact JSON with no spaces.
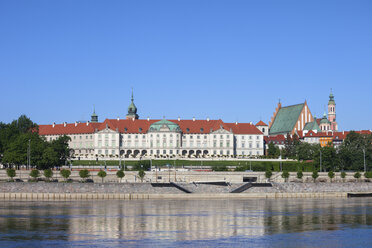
{"x":220,"y":59}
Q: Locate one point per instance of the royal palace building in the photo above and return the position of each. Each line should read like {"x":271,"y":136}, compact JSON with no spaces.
{"x":145,"y":138}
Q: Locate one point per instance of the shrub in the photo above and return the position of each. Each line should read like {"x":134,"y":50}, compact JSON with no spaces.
{"x":65,"y":173}
{"x":268,"y":174}
{"x":120,"y":174}
{"x":357,"y":175}
{"x":48,"y":173}
{"x":343,"y":175}
{"x":141,"y":174}
{"x":300,"y":174}
{"x":84,"y":174}
{"x":102,"y":174}
{"x":315,"y":175}
{"x":11,"y":173}
{"x":331,"y":175}
{"x":35,"y":173}
{"x":219,"y":168}
{"x":368,"y":174}
{"x":285,"y":175}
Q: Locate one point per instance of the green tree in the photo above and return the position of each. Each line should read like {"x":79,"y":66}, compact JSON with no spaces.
{"x":120,"y":174}
{"x":49,"y":158}
{"x":290,"y":146}
{"x":84,"y":174}
{"x":102,"y":174}
{"x":60,"y":146}
{"x":343,"y":175}
{"x":273,"y":150}
{"x":331,"y":175}
{"x":35,"y":173}
{"x":351,"y":151}
{"x":11,"y":173}
{"x":48,"y":173}
{"x":300,"y":174}
{"x":142,"y":165}
{"x":65,"y":174}
{"x":315,"y":175}
{"x":285,"y":175}
{"x":306,"y":151}
{"x":268,"y":174}
{"x":141,"y":175}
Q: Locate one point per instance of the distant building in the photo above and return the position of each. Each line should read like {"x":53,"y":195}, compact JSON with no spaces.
{"x":144,"y":138}
{"x":298,"y":117}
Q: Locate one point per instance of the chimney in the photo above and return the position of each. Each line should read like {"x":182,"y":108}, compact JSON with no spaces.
{"x":133,"y":119}
{"x":54,"y":124}
{"x":148,"y":118}
{"x":207,"y":118}
{"x":251,"y":123}
{"x":118,"y":118}
{"x":87,"y":123}
{"x":236,"y":123}
{"x":193,"y":118}
{"x":64,"y":124}
{"x":76,"y":123}
{"x":179,"y":118}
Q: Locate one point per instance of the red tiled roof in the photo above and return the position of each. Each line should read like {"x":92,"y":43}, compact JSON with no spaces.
{"x":276,"y":138}
{"x":70,"y":128}
{"x":142,"y":126}
{"x":261,"y":123}
{"x":319,"y":134}
{"x":243,"y":128}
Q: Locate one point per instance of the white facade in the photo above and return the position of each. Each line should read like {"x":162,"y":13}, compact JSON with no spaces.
{"x":107,"y":142}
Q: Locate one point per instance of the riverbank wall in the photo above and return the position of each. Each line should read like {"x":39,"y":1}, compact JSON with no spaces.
{"x":81,"y":191}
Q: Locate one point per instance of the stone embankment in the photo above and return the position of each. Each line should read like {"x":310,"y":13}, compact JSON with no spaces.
{"x":69,"y":191}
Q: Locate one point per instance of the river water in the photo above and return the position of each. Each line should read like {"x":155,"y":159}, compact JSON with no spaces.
{"x":188,"y":223}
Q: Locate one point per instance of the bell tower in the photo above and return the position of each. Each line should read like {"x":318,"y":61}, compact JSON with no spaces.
{"x":332,"y":112}
{"x":132,"y":109}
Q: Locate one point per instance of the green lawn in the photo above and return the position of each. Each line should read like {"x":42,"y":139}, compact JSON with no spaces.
{"x":241,"y":165}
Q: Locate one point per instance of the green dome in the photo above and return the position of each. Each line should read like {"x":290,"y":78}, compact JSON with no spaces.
{"x":324,"y":120}
{"x":164,"y":125}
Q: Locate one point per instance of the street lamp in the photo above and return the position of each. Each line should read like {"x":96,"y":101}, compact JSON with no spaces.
{"x":364,"y":160}
{"x":281,"y":166}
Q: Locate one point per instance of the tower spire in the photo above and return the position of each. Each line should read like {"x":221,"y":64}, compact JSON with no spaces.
{"x":132,"y":109}
{"x":94,"y":116}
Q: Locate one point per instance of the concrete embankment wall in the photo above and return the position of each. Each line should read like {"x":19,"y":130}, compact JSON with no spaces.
{"x":70,"y":191}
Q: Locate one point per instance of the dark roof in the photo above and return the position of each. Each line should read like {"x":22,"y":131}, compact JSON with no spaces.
{"x":286,"y":118}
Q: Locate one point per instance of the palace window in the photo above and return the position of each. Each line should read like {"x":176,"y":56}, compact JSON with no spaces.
{"x":201,"y":130}
{"x":187,"y":129}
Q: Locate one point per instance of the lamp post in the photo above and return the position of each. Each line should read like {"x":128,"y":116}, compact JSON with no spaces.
{"x":281,"y":166}
{"x":364,"y":160}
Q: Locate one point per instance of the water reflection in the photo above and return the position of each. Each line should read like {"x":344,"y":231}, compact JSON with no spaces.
{"x":177,"y":220}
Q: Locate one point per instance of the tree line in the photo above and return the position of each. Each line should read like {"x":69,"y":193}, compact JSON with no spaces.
{"x":349,"y":155}
{"x":20,"y":144}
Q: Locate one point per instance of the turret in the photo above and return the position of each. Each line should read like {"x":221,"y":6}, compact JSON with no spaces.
{"x":332,"y":112}
{"x":132,"y":109}
{"x":94,"y":116}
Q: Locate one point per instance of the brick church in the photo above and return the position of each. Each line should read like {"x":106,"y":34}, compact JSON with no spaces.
{"x":298,"y":117}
